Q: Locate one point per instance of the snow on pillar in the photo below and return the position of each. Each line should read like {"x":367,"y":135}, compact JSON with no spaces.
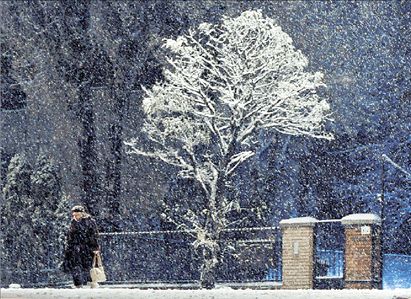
{"x":363,"y":257}
{"x":298,"y":252}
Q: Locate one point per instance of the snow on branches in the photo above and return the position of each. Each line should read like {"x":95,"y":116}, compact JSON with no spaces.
{"x":223,"y":84}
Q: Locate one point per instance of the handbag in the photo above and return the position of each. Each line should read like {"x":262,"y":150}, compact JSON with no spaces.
{"x":97,"y":271}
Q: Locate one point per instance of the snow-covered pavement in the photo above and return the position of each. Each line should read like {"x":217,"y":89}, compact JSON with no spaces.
{"x":225,"y":293}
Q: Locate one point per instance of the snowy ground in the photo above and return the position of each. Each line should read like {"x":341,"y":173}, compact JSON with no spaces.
{"x":224,"y":293}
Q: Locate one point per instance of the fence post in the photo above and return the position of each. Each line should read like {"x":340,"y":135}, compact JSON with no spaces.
{"x":298,"y":252}
{"x":363,"y":256}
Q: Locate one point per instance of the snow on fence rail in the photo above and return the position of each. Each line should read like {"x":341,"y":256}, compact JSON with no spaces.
{"x":156,"y":232}
{"x":248,"y":254}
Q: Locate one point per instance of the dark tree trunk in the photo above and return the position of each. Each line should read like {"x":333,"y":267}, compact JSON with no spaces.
{"x":208,"y":271}
{"x":81,"y":70}
{"x":210,"y":254}
{"x":87,"y":147}
{"x":114,"y":163}
{"x":211,"y":250}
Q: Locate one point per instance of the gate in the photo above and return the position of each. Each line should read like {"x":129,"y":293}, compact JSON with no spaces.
{"x":252,"y":255}
{"x":329,"y":244}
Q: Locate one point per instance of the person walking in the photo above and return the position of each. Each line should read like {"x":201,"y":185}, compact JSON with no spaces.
{"x":81,"y":246}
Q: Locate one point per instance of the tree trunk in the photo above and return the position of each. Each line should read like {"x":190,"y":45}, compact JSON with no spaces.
{"x":114,"y":164}
{"x":87,"y":146}
{"x":213,"y":228}
{"x":210,"y":262}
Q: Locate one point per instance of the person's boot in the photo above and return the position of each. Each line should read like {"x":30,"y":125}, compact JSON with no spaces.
{"x":73,"y":286}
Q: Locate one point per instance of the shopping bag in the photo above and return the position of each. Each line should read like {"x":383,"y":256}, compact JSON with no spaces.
{"x":97,"y":271}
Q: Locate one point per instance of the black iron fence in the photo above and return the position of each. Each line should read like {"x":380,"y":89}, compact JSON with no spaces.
{"x":34,"y":270}
{"x":247,"y":254}
{"x":46,"y":277}
{"x":255,"y":255}
{"x":330,"y":263}
{"x":131,"y":257}
{"x":329,"y":244}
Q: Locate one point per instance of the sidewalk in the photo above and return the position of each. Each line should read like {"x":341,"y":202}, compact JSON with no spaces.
{"x":223,"y":293}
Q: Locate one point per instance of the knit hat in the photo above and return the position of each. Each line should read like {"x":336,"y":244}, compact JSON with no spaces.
{"x":78,"y":209}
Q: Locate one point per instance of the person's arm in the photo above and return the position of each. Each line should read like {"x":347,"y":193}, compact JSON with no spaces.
{"x":69,"y":237}
{"x":94,"y":242}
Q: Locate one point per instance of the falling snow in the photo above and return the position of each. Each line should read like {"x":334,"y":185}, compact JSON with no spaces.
{"x":190,"y":129}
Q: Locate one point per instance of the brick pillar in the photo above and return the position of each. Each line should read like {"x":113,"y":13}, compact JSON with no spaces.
{"x":298,"y":252}
{"x":363,"y":258}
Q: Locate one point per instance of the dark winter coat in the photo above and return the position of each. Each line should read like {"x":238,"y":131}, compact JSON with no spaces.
{"x":81,"y":241}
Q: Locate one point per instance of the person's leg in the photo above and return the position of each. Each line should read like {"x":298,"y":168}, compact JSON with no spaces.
{"x":93,"y":284}
{"x":77,"y":277}
{"x":87,"y":263}
{"x":78,"y":270}
{"x":86,"y":276}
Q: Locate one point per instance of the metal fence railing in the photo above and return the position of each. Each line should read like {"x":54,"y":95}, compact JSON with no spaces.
{"x":331,"y":263}
{"x":329,"y":255}
{"x":247,"y":254}
{"x":256,"y":255}
{"x":148,"y":257}
{"x":35,"y":270}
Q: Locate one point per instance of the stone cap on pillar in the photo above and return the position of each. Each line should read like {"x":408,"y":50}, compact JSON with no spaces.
{"x":300,"y":221}
{"x":359,"y":219}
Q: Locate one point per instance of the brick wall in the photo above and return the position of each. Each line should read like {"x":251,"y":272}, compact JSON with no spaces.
{"x":298,"y":251}
{"x":363,"y":257}
{"x":357,"y":258}
{"x":362,"y":252}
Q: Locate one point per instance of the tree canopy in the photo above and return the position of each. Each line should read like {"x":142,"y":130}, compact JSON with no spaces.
{"x":225,"y":83}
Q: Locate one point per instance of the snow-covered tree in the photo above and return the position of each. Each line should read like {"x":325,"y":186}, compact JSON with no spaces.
{"x":45,"y":184}
{"x":224,"y":84}
{"x":61,"y":223}
{"x":32,"y":220}
{"x":46,"y":197}
{"x":17,"y":233}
